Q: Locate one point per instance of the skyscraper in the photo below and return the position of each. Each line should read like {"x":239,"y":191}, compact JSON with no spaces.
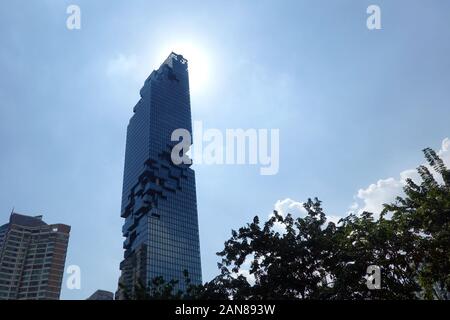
{"x":159,"y":199}
{"x":32,"y":258}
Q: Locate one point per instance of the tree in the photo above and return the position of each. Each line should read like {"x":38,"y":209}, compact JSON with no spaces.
{"x":362,"y":241}
{"x":423,"y":218}
{"x":285,"y":266}
{"x":316,"y":260}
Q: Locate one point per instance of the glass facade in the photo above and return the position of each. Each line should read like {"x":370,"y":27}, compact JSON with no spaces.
{"x":159,"y":198}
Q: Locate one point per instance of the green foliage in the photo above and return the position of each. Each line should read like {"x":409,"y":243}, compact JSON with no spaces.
{"x":423,"y":218}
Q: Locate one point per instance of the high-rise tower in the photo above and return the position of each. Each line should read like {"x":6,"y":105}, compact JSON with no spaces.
{"x":159,"y":199}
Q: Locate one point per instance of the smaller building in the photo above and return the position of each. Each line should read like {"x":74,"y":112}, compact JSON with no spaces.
{"x":101,"y":295}
{"x":32,"y":258}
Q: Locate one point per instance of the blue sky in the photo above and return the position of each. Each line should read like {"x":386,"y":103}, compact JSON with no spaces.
{"x":354,"y":108}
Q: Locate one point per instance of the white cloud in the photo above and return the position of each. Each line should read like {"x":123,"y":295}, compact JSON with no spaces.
{"x":283,"y":207}
{"x":121,"y":65}
{"x":383,"y":191}
{"x":374,"y":196}
{"x":444,"y":153}
{"x":245,"y":270}
{"x":290,"y":206}
{"x":246,"y":273}
{"x":297,"y":210}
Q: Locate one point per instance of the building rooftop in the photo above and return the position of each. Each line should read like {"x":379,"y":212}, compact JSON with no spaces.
{"x":33,"y":221}
{"x":175,"y":59}
{"x":28,"y":221}
{"x":101,"y":295}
